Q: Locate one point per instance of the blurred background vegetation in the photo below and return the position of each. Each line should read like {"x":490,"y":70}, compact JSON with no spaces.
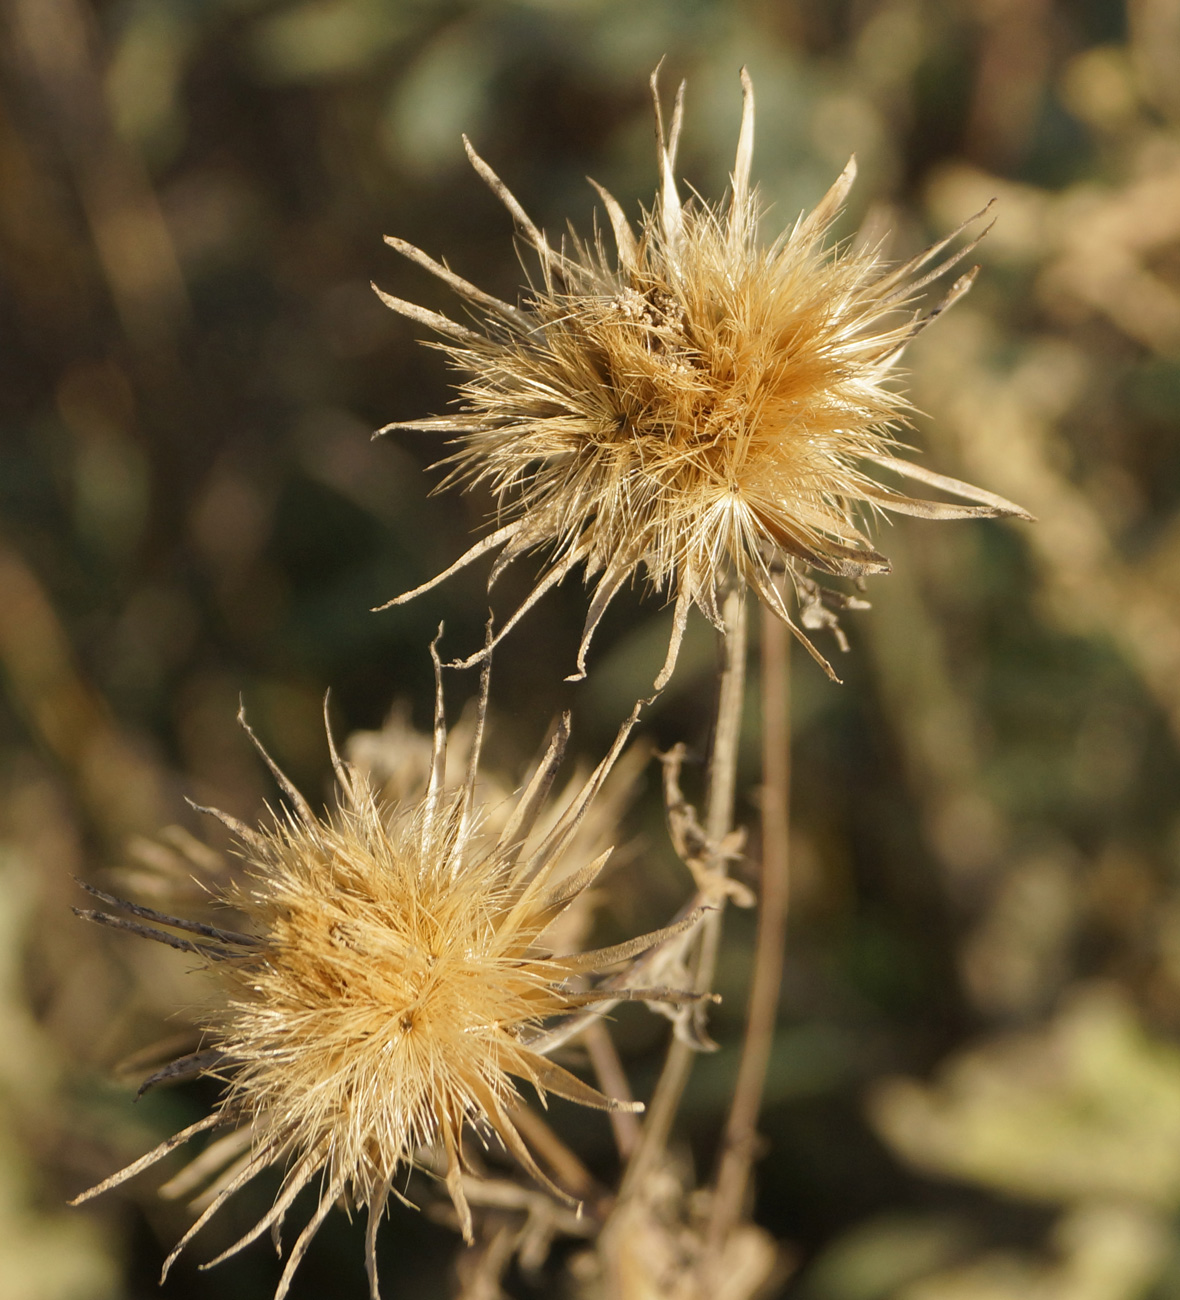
{"x":975,"y":1090}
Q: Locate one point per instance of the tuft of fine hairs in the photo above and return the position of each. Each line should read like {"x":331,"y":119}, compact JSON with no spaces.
{"x":698,"y":406}
{"x":387,"y":990}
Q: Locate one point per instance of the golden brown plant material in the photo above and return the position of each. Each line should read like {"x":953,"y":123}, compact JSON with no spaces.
{"x":384,"y":990}
{"x":700,"y":405}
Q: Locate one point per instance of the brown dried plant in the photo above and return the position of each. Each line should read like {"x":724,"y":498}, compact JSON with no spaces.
{"x":700,"y":406}
{"x":386,"y":989}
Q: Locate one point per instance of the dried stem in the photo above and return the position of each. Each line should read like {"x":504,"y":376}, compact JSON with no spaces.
{"x":718,"y":824}
{"x":738,"y":1144}
{"x":723,"y":764}
{"x":723,"y":769}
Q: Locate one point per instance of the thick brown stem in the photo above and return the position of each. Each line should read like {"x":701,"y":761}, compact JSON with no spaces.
{"x":718,"y":823}
{"x":738,"y":1144}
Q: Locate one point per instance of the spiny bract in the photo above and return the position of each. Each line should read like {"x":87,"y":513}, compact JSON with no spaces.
{"x":701,"y":405}
{"x":387,"y":987}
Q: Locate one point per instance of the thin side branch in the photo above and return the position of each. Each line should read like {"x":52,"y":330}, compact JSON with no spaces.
{"x":612,"y":1079}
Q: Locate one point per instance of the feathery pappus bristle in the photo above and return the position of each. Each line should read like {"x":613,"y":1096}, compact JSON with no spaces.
{"x":700,"y":407}
{"x":387,"y":989}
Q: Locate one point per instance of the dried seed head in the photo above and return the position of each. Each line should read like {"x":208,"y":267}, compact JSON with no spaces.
{"x":386,"y":990}
{"x":700,"y":405}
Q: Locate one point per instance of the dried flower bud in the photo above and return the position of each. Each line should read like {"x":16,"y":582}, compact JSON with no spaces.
{"x":386,"y":989}
{"x":701,"y":406}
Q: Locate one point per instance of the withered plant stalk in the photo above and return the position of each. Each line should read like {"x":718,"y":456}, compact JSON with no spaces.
{"x":718,"y":824}
{"x":737,"y":1149}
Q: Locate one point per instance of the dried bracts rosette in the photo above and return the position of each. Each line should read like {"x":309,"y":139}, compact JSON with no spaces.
{"x":699,"y":407}
{"x":388,"y":988}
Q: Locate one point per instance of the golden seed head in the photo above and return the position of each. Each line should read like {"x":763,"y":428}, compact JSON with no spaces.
{"x":387,"y":988}
{"x":699,"y":404}
{"x":388,"y":1000}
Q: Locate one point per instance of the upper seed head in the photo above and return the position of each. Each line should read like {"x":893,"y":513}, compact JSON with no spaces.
{"x":699,"y":404}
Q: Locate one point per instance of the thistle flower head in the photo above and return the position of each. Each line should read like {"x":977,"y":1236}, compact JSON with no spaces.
{"x":387,"y":989}
{"x":698,"y":405}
